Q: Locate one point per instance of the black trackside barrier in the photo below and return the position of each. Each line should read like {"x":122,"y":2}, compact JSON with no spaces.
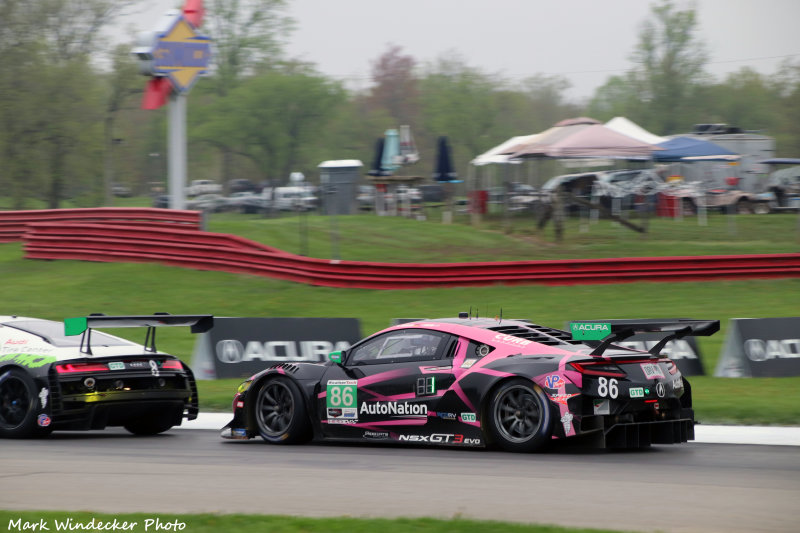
{"x":761,"y":347}
{"x":241,"y":347}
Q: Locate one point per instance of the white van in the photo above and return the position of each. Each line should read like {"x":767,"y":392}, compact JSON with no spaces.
{"x":290,"y":198}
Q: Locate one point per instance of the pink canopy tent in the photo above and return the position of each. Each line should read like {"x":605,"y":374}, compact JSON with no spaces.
{"x":582,"y":137}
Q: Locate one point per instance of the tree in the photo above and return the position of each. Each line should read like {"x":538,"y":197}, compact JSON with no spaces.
{"x":273,"y":119}
{"x":669,"y":63}
{"x":396,"y":88}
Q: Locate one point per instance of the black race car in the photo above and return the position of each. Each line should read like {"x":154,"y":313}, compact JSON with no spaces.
{"x":65,"y":376}
{"x":479,"y":382}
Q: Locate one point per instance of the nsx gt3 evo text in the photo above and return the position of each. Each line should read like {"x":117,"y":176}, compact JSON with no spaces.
{"x":65,"y":376}
{"x":479,"y":382}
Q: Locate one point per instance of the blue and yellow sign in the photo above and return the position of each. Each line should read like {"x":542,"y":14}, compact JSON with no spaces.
{"x":179,"y":53}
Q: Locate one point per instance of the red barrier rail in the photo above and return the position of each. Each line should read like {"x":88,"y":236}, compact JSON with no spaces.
{"x":13,"y":223}
{"x":211,"y":251}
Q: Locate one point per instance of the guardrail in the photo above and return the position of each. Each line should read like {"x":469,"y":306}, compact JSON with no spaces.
{"x":220,"y":252}
{"x":14,"y":223}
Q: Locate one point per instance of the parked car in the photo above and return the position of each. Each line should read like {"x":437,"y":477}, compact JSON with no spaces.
{"x":121,"y":191}
{"x":366,"y":197}
{"x":207,"y":202}
{"x":241,"y":185}
{"x":246,"y":202}
{"x":198,"y":187}
{"x":785,"y":185}
{"x":291,"y":198}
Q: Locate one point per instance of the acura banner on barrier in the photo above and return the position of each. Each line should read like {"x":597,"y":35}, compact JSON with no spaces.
{"x":761,"y":347}
{"x":241,"y":347}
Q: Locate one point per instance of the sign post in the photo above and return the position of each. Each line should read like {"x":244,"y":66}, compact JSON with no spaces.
{"x":174,"y":55}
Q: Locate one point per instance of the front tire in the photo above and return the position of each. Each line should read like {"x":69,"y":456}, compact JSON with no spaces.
{"x":280,"y":413}
{"x":17,"y":404}
{"x":519,"y":416}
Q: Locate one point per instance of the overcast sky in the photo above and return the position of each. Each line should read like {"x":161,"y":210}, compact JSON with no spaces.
{"x":585,"y":41}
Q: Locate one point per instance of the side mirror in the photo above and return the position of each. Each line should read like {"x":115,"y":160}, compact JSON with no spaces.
{"x":336,"y":357}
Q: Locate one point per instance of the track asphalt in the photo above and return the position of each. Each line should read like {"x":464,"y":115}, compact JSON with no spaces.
{"x":763,"y":435}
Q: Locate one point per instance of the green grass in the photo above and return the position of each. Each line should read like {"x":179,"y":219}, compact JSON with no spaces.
{"x":212,"y":523}
{"x":59,"y":289}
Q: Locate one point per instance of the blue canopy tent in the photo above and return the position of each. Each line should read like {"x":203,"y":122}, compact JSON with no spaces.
{"x":690,"y":149}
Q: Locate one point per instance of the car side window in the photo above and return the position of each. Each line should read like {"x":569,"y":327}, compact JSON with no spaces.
{"x":400,"y":345}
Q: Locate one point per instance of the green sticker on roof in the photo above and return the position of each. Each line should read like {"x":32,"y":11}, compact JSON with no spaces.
{"x":590,"y":331}
{"x":74,"y":326}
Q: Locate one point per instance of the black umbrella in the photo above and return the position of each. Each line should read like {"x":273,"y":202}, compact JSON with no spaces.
{"x":444,"y":171}
{"x":377,"y":169}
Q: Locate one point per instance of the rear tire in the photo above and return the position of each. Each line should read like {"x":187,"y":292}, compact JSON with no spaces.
{"x":519,"y":416}
{"x":280,"y":413}
{"x":17,"y":404}
{"x":743,"y":207}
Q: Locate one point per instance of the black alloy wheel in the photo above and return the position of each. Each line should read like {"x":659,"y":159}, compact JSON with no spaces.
{"x":519,"y":417}
{"x":280,"y":413}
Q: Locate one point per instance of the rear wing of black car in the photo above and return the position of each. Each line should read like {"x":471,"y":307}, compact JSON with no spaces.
{"x":84,"y":325}
{"x":610,"y":332}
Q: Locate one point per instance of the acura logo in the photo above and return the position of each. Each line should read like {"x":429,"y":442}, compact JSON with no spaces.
{"x":660,"y":390}
{"x":230,"y":351}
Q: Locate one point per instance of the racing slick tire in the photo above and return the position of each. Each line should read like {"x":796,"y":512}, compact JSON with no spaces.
{"x":280,"y":413}
{"x":519,"y":416}
{"x":18,"y":405}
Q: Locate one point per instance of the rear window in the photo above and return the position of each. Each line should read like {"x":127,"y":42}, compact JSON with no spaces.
{"x":53,"y":332}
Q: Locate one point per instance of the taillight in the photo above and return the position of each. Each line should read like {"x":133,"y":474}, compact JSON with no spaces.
{"x":598,"y":369}
{"x":69,"y":368}
{"x":172,"y":364}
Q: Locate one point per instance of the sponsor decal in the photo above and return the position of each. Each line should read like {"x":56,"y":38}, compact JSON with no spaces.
{"x":426,"y":386}
{"x":468,"y":363}
{"x":562,"y":398}
{"x":482,"y":350}
{"x":660,"y":390}
{"x":43,"y":421}
{"x":468,"y":417}
{"x":116,"y":365}
{"x":239,"y":432}
{"x":566,"y":420}
{"x":652,"y":371}
{"x":233,"y":351}
{"x":444,"y":416}
{"x":554,"y":381}
{"x":376,"y":435}
{"x":447,"y":438}
{"x":636,"y":392}
{"x":394,"y":408}
{"x":677,"y":384}
{"x":43,"y":395}
{"x":602,"y":407}
{"x":16,"y":342}
{"x":590,"y":331}
{"x":511,"y":340}
{"x":760,"y":350}
{"x":340,"y":401}
{"x":27,"y":360}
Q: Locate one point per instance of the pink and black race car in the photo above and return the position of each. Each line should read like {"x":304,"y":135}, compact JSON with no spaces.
{"x":479,"y":382}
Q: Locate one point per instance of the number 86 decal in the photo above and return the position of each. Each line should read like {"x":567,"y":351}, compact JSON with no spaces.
{"x":607,"y":387}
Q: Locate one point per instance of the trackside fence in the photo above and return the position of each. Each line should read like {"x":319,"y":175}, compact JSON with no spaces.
{"x":14,"y":223}
{"x":190,"y":248}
